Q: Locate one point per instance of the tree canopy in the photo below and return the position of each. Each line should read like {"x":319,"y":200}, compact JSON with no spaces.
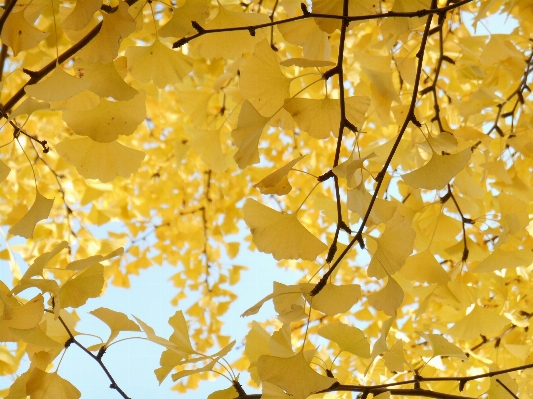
{"x":379,"y":147}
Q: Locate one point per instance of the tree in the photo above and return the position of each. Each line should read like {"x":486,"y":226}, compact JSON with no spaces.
{"x":377,"y":146}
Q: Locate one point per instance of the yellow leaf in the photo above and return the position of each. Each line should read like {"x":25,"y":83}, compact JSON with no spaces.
{"x":394,"y":358}
{"x":185,"y":373}
{"x":305,"y":63}
{"x":151,"y":336}
{"x":230,"y":45}
{"x":319,"y":118}
{"x":57,"y":86}
{"x":479,"y":321}
{"x":108,"y":120}
{"x":500,"y":385}
{"x":332,"y":299}
{"x":305,"y":33}
{"x":4,"y":171}
{"x":206,"y":143}
{"x":40,"y":210}
{"x":257,"y":344}
{"x":22,"y":317}
{"x":247,"y":134}
{"x":104,"y":80}
{"x":424,"y":268}
{"x":229,"y":393}
{"x":441,"y":347}
{"x":77,"y":291}
{"x":389,"y":299}
{"x":115,"y":27}
{"x":81,"y":15}
{"x":83,"y":264}
{"x":277,"y":182}
{"x":42,"y":385}
{"x":293,"y":375}
{"x":18,"y":34}
{"x":394,"y":246}
{"x":27,"y":107}
{"x":116,"y":321}
{"x":438,"y":172}
{"x":289,"y":295}
{"x":399,"y":26}
{"x":196,"y":104}
{"x":35,"y":336}
{"x":180,"y":24}
{"x":359,"y":201}
{"x":180,"y":337}
{"x":500,"y":259}
{"x":262,"y":82}
{"x":102,"y":161}
{"x":334,"y":7}
{"x":158,"y":63}
{"x":36,"y":268}
{"x":271,"y":391}
{"x":281,"y":235}
{"x":350,"y":339}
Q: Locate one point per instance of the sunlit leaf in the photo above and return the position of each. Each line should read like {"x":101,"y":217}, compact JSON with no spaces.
{"x":388,"y":299}
{"x":116,"y":321}
{"x":247,"y":134}
{"x":348,"y":338}
{"x":39,"y":210}
{"x":277,"y":182}
{"x":87,"y":284}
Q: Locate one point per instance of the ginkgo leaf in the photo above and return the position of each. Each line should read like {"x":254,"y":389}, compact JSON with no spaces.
{"x":36,"y":337}
{"x":206,"y":143}
{"x":42,"y":385}
{"x":479,"y":321}
{"x":281,"y":235}
{"x":109,"y":119}
{"x":394,"y":358}
{"x":319,"y":118}
{"x":399,"y":26}
{"x":228,"y":393}
{"x":22,"y":317}
{"x":501,"y":386}
{"x":196,"y":104}
{"x":88,"y":284}
{"x":27,"y":107}
{"x":305,"y":63}
{"x":350,"y":339}
{"x":332,"y":299}
{"x":185,"y":373}
{"x":180,"y":24}
{"x":115,"y":27}
{"x":388,"y":299}
{"x":169,"y":359}
{"x":83,"y":264}
{"x":348,"y":168}
{"x":247,"y":134}
{"x":81,"y":15}
{"x":277,"y":182}
{"x":438,"y":171}
{"x":180,"y":336}
{"x":394,"y":246}
{"x":359,"y":201}
{"x":151,"y":336}
{"x":334,"y":7}
{"x":290,"y":294}
{"x":262,"y":82}
{"x":381,"y":344}
{"x":36,"y":268}
{"x":230,"y":45}
{"x":58,"y":86}
{"x":18,"y":34}
{"x":116,"y":321}
{"x":307,"y":34}
{"x":102,"y":161}
{"x":500,"y":259}
{"x":40,"y":210}
{"x":104,"y":80}
{"x":257,"y":344}
{"x":441,"y":346}
{"x":424,"y":268}
{"x":4,"y":171}
{"x":158,"y":63}
{"x":293,"y":375}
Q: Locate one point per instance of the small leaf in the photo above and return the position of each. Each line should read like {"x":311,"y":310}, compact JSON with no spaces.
{"x":247,"y":134}
{"x":40,"y":210}
{"x":83,"y":264}
{"x":18,"y":34}
{"x":42,"y":385}
{"x":438,"y":172}
{"x":293,"y":375}
{"x":57,"y":86}
{"x":389,"y":299}
{"x":441,"y":347}
{"x":479,"y":321}
{"x":277,"y":182}
{"x":77,"y":291}
{"x":82,"y":14}
{"x":116,"y":321}
{"x":281,"y":235}
{"x":332,"y":299}
{"x":350,"y":339}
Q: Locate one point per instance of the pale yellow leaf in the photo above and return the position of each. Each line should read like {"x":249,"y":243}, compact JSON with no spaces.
{"x":230,"y":45}
{"x":42,"y":385}
{"x":359,"y":201}
{"x":27,"y":107}
{"x":289,"y":295}
{"x":116,"y":321}
{"x":424,"y":268}
{"x":40,"y":210}
{"x":58,"y":86}
{"x":81,"y":15}
{"x":185,"y":373}
{"x":36,"y":268}
{"x":350,"y":339}
{"x":262,"y":82}
{"x":180,"y":24}
{"x":83,"y":264}
{"x":498,"y":385}
{"x":277,"y":182}
{"x":35,"y":336}
{"x":271,"y":391}
{"x":398,"y":26}
{"x":18,"y":34}
{"x":394,"y":246}
{"x":306,"y":33}
{"x":438,"y":172}
{"x":206,"y":143}
{"x":247,"y":134}
{"x":394,"y":358}
{"x":4,"y":171}
{"x":332,"y":299}
{"x":180,"y":336}
{"x":77,"y":291}
{"x":293,"y":375}
{"x":109,"y":119}
{"x":257,"y":344}
{"x":500,"y":259}
{"x":441,"y":346}
{"x":334,"y":7}
{"x":102,"y":161}
{"x":305,"y":63}
{"x":158,"y":63}
{"x":228,"y":393}
{"x":22,"y":317}
{"x":479,"y":321}
{"x":281,"y":235}
{"x":388,"y":299}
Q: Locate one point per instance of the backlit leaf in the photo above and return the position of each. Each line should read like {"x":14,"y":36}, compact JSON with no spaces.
{"x":87,"y":284}
{"x":39,"y":210}
{"x":277,"y":182}
{"x":247,"y":134}
{"x":350,"y":339}
{"x":388,"y":299}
